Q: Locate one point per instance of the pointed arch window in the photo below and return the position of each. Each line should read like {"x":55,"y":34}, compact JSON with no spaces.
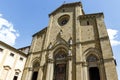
{"x":36,"y":65}
{"x":92,"y":58}
{"x":60,"y":56}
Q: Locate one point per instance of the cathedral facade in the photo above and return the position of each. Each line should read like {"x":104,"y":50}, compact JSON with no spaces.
{"x":74,"y":46}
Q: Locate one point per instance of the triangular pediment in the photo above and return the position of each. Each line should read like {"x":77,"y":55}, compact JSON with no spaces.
{"x":66,"y":5}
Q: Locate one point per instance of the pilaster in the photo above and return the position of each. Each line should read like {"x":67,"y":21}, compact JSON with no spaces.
{"x":69,"y":67}
{"x":49,"y":74}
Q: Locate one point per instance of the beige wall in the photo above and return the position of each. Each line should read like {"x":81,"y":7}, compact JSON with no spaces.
{"x":10,"y":64}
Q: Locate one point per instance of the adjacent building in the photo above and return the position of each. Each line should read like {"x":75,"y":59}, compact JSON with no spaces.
{"x":12,"y":62}
{"x":24,"y":49}
{"x":74,"y":46}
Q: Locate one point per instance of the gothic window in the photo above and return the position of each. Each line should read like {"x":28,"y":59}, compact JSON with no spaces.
{"x":60,"y":66}
{"x":60,"y":56}
{"x":91,"y":58}
{"x":63,"y":20}
{"x":36,"y":64}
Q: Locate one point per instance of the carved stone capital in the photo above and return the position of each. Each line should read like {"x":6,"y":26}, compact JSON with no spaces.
{"x":30,"y":69}
{"x":69,"y":57}
{"x":50,"y":60}
{"x":85,"y":64}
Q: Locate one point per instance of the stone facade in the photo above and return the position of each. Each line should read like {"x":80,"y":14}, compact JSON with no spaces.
{"x":74,"y":46}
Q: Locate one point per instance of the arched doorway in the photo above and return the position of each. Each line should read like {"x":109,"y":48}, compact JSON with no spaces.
{"x":60,"y":66}
{"x":35,"y":70}
{"x":93,"y":68}
{"x":94,"y":73}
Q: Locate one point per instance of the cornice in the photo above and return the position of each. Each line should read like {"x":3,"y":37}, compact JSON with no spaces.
{"x":12,"y":48}
{"x":23,"y":47}
{"x":94,"y":15}
{"x":40,"y":32}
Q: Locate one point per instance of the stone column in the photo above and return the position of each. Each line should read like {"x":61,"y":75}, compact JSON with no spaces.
{"x":40,"y":73}
{"x":69,"y":67}
{"x":85,"y":71}
{"x":29,"y":74}
{"x":51,"y":70}
{"x":102,"y":71}
{"x":49,"y":74}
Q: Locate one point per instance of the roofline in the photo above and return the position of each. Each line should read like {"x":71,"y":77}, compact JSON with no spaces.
{"x":39,"y":31}
{"x":93,"y":14}
{"x":12,"y":48}
{"x":66,"y":4}
{"x":23,"y":47}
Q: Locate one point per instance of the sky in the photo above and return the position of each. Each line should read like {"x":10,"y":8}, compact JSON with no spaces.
{"x":20,"y":19}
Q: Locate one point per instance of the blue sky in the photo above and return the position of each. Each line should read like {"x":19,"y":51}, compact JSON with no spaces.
{"x":20,"y":19}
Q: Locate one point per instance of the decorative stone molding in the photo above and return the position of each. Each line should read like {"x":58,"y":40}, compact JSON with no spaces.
{"x":109,"y":59}
{"x":69,"y":57}
{"x":91,"y":15}
{"x":30,"y":69}
{"x":70,"y":41}
{"x":7,"y":67}
{"x":50,"y":46}
{"x":50,"y":61}
{"x":80,"y":62}
{"x":17,"y":70}
{"x":69,"y":52}
{"x":85,"y":64}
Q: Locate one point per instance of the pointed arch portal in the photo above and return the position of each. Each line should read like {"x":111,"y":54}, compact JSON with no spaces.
{"x":94,"y":73}
{"x":60,"y":72}
{"x":35,"y":70}
{"x":60,"y":66}
{"x":34,"y":76}
{"x":93,"y":69}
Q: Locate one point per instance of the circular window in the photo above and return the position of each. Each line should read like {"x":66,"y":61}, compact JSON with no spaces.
{"x":63,"y":20}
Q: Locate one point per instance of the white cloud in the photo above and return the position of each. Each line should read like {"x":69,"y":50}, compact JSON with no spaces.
{"x":113,"y":35}
{"x":0,"y":15}
{"x":7,"y":32}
